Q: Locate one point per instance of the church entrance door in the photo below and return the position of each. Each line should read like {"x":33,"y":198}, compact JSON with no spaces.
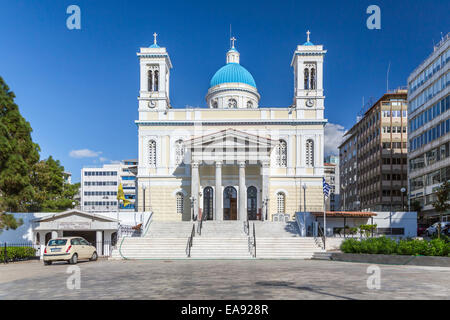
{"x":229,"y":203}
{"x":208,"y":203}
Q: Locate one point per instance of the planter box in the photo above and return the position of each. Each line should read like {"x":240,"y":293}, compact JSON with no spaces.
{"x":391,"y":259}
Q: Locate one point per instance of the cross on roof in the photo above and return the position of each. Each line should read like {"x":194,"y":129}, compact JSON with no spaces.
{"x":307,"y":34}
{"x":154,"y":37}
{"x":233,"y":39}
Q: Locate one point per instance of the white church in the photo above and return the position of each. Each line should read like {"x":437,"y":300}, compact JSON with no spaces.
{"x":232,"y":160}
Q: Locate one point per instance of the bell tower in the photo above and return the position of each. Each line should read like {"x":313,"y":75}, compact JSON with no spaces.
{"x":155,"y":68}
{"x":308,"y":80}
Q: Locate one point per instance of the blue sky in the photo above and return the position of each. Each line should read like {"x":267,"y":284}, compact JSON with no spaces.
{"x":78,"y":88}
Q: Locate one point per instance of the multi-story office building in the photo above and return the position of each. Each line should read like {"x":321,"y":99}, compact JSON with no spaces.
{"x":331,"y":173}
{"x":99,"y":187}
{"x":429,"y":126}
{"x":348,"y":161}
{"x":381,"y":156}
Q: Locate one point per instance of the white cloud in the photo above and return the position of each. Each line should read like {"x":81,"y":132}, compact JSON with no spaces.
{"x":333,"y":138}
{"x":103,"y":159}
{"x":84,"y":153}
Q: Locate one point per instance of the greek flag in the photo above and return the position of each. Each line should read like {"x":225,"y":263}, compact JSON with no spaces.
{"x":326,"y":188}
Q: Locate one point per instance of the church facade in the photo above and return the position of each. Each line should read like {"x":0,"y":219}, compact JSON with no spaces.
{"x":232,"y":160}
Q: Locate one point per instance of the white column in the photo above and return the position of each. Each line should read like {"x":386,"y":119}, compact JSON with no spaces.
{"x":218,"y":212}
{"x":195,"y":180}
{"x":265,"y":189}
{"x":99,"y":239}
{"x":242,"y":193}
{"x":54,"y":234}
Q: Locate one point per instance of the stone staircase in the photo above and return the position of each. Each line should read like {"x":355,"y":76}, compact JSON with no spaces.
{"x":218,"y":240}
{"x":164,"y":240}
{"x":221,"y":240}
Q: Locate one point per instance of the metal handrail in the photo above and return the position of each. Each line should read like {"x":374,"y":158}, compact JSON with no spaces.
{"x":200,"y":224}
{"x":246,"y":227}
{"x":254,"y":241}
{"x":190,"y":241}
{"x":321,"y":234}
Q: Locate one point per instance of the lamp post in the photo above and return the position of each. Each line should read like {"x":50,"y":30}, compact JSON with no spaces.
{"x":192,"y":206}
{"x":403,"y":190}
{"x":265,"y":203}
{"x":143,"y":190}
{"x":304,"y":197}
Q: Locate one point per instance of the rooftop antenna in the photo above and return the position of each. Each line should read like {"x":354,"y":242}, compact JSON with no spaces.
{"x":387,"y":77}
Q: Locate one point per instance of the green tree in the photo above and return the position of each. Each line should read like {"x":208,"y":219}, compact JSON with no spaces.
{"x":441,"y":204}
{"x":51,"y":192}
{"x":18,"y":155}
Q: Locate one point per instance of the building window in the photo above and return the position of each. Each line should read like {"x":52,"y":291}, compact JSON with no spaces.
{"x":152,"y":153}
{"x":179,"y":152}
{"x":180,"y":202}
{"x":281,"y":202}
{"x":249,"y":104}
{"x":281,"y":153}
{"x":150,"y":80}
{"x":156,"y":80}
{"x":232,"y":104}
{"x":310,"y":153}
{"x":306,"y":79}
{"x":313,"y":79}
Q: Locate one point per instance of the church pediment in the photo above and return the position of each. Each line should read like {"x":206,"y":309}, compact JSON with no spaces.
{"x":231,"y":138}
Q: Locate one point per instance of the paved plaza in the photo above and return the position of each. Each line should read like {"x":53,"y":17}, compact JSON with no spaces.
{"x":221,"y":279}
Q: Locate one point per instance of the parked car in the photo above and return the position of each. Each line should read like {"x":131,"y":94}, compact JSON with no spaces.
{"x":421,"y":229}
{"x":70,"y":249}
{"x":434,"y":228}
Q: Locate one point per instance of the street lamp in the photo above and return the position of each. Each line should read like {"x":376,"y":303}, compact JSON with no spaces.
{"x":403,"y":190}
{"x":266,"y":204}
{"x":192,"y":205}
{"x":143,"y":189}
{"x":304,"y":197}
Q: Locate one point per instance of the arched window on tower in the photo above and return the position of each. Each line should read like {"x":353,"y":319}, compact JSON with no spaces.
{"x":313,"y":79}
{"x":306,"y":79}
{"x":156,"y":80}
{"x":232,"y":104}
{"x":152,"y":153}
{"x":281,"y":202}
{"x":180,"y":202}
{"x":281,"y":153}
{"x":150,"y":80}
{"x":309,"y":153}
{"x":179,"y":152}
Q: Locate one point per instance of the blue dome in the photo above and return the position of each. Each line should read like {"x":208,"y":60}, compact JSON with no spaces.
{"x":308,"y":43}
{"x":232,"y":72}
{"x":154,"y":46}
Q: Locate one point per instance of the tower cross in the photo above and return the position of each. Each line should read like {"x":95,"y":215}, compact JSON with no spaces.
{"x":307,"y":34}
{"x":233,"y":39}
{"x":154,"y":37}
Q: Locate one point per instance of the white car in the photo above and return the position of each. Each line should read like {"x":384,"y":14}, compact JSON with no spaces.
{"x":70,"y":249}
{"x":434,"y":228}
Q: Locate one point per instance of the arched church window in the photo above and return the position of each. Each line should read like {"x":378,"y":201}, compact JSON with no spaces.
{"x":306,"y":79}
{"x":179,"y":152}
{"x":249,"y":104}
{"x":281,"y":154}
{"x":214,"y":104}
{"x":152,"y":153}
{"x":150,"y":80}
{"x":232,"y":104}
{"x":281,"y":202}
{"x":310,"y":153}
{"x":313,"y":79}
{"x":180,"y":202}
{"x":156,"y":80}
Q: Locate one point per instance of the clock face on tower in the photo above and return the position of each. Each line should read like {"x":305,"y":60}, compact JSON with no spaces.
{"x":151,"y":104}
{"x":309,"y":102}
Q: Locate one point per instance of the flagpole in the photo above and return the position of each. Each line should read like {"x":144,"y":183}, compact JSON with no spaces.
{"x":324,"y":223}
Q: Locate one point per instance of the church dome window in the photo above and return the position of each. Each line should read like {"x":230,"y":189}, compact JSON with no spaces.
{"x":249,"y":104}
{"x":232,"y":104}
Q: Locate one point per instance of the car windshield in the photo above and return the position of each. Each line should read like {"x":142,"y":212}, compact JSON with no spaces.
{"x":57,"y":242}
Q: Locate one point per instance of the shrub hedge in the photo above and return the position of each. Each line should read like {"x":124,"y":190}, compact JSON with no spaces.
{"x":384,"y":245}
{"x":17,"y":253}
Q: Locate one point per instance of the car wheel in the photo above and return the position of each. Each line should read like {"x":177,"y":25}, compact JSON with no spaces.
{"x":94,"y":256}
{"x":47,"y":263}
{"x":74,"y":259}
